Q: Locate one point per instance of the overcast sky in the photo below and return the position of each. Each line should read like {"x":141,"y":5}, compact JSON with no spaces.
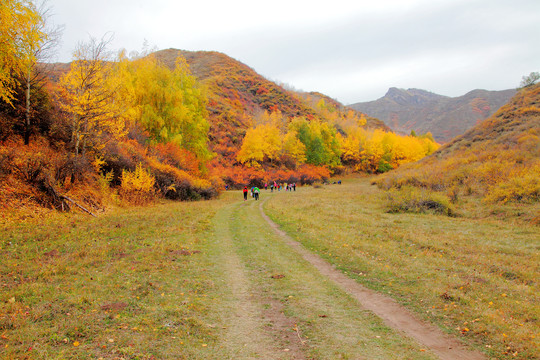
{"x":350,"y":50}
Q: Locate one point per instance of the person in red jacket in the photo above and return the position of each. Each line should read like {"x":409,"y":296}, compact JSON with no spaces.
{"x":245,"y":193}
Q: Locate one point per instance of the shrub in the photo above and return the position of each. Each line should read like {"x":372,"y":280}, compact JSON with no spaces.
{"x":172,"y":154}
{"x":384,"y":166}
{"x":413,"y":200}
{"x":524,"y":188}
{"x":137,"y":186}
{"x":70,"y":169}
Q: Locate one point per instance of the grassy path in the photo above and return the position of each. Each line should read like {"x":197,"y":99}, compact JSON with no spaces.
{"x":244,"y":337}
{"x":394,"y":315}
{"x":280,"y":307}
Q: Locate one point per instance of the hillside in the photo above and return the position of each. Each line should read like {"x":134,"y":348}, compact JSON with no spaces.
{"x":181,"y":125}
{"x":497,"y":160}
{"x":237,"y":95}
{"x":313,"y":98}
{"x":423,"y":111}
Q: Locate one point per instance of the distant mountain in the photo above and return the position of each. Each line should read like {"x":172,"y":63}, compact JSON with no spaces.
{"x":422,"y":111}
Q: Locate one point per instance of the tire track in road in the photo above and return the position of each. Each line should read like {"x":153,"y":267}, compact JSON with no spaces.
{"x":244,"y":338}
{"x":246,"y":334}
{"x":394,"y":315}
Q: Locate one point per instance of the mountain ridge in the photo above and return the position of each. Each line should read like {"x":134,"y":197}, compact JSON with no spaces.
{"x":497,"y":160}
{"x":423,"y":111}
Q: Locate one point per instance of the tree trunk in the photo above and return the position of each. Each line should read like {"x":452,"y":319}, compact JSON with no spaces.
{"x":77,"y":141}
{"x":27,"y":127}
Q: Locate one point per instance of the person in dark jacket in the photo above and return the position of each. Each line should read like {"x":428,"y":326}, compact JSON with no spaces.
{"x":245,"y":193}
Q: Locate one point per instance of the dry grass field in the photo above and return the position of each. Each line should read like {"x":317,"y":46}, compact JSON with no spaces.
{"x":475,"y":277}
{"x":212,"y":280}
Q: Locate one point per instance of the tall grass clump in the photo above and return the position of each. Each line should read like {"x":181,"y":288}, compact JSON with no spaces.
{"x":414,"y":200}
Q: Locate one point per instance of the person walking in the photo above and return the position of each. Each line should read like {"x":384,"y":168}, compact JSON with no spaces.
{"x":245,"y":193}
{"x":256,"y":192}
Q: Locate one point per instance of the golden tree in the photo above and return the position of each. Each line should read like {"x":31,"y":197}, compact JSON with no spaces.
{"x":169,"y":104}
{"x":88,"y":94}
{"x":19,"y":34}
{"x":293,"y":148}
{"x":262,"y":143}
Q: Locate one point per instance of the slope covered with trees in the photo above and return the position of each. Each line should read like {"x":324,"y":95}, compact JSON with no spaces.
{"x":261,"y":131}
{"x":107,"y":127}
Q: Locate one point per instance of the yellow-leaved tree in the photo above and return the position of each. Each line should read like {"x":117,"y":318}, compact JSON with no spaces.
{"x":262,"y":143}
{"x":379,"y":151}
{"x":19,"y":35}
{"x":169,"y":104}
{"x":350,"y":145}
{"x":89,"y":95}
{"x":293,"y":148}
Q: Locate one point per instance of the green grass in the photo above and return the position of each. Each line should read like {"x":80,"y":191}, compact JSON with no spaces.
{"x":475,"y":278}
{"x":195,"y":280}
{"x":130,"y":284}
{"x":175,"y":281}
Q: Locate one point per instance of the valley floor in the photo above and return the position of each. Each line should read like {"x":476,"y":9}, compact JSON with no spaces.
{"x":218,"y":280}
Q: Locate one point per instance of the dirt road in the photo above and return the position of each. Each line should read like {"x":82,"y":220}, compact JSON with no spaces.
{"x":393,"y":314}
{"x":285,"y":302}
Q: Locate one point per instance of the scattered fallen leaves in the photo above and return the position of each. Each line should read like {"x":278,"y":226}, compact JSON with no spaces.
{"x":185,"y":252}
{"x":117,"y":306}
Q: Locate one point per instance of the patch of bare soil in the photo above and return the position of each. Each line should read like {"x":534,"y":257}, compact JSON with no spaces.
{"x":393,"y":314}
{"x":283,"y":329}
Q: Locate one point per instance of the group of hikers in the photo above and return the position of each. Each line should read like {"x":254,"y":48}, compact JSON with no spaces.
{"x":255,"y":191}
